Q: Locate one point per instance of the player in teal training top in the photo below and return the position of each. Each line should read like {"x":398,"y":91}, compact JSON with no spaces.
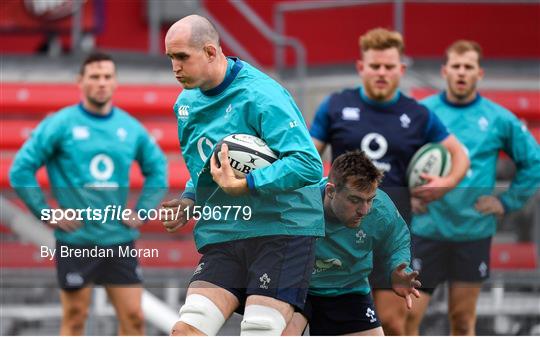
{"x":361,"y":221}
{"x":452,"y":237}
{"x":260,"y":259}
{"x":88,"y":150}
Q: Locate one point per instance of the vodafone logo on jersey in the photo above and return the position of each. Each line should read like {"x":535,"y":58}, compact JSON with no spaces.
{"x":376,"y":146}
{"x":101,"y":169}
{"x":204,"y":147}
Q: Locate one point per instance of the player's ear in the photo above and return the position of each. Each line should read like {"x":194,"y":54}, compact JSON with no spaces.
{"x":480,"y":73}
{"x":443,"y":71}
{"x":79,"y":79}
{"x":403,"y":67}
{"x":210,"y":51}
{"x":330,"y":190}
{"x":359,"y":66}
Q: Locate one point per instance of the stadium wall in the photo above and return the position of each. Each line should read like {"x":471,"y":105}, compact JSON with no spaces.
{"x":505,"y":30}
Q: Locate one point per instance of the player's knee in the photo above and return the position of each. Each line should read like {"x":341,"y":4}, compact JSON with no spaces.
{"x":261,"y":320}
{"x":184,"y":329}
{"x":201,"y":313}
{"x":462,"y":324}
{"x":393,"y":324}
{"x":135,"y":319}
{"x":393,"y":329}
{"x":75,"y":317}
{"x":412,"y":324}
{"x":393,"y":321}
{"x":76,"y":312}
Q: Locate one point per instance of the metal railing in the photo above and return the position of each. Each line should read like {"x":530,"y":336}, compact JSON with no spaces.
{"x":280,"y":40}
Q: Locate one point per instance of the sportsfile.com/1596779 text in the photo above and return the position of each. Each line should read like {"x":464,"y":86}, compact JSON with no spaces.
{"x":119,"y":213}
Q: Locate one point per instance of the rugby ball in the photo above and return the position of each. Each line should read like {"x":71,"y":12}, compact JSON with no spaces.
{"x":246,"y":153}
{"x":433,"y":159}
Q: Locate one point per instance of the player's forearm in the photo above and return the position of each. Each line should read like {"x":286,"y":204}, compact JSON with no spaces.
{"x":289,"y":173}
{"x":23,"y":180}
{"x":524,"y":185}
{"x":33,"y":198}
{"x":151,"y":196}
{"x":236,"y":187}
{"x":155,"y":187}
{"x":460,"y":161}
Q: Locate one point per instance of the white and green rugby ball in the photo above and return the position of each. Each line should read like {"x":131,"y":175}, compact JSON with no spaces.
{"x":246,"y":153}
{"x":433,"y":159}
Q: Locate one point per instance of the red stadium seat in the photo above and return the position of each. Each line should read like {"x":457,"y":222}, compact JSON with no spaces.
{"x":511,"y":256}
{"x":22,"y":255}
{"x":13,"y":133}
{"x":38,"y":99}
{"x":524,"y":103}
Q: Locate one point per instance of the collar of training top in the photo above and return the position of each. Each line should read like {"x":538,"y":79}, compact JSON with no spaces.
{"x":447,"y":102}
{"x":228,"y":78}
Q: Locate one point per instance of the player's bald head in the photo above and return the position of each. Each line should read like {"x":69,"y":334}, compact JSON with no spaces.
{"x":197,"y":29}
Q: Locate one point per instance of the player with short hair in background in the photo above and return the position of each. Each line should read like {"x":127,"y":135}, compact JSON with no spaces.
{"x":452,"y":236}
{"x":88,"y":150}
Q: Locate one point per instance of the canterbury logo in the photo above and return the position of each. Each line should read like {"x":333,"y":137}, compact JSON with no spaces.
{"x":183,"y":110}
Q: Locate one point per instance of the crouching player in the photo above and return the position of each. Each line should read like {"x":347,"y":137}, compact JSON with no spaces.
{"x":360,"y":220}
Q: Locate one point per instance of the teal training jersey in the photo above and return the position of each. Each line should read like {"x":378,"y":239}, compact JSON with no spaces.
{"x":88,"y":159}
{"x":344,"y":257}
{"x":285,"y":199}
{"x":484,"y":128}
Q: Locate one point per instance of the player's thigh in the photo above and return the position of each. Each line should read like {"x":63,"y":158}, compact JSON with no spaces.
{"x":120,"y":270}
{"x":389,"y":304}
{"x":470,"y":261}
{"x":76,"y":301}
{"x":221,"y":274}
{"x":280,"y":268}
{"x":224,"y":300}
{"x":416,"y":314}
{"x":462,"y":299}
{"x":392,"y":311}
{"x":126,"y":300}
{"x":341,"y":315}
{"x":296,"y":325}
{"x":431,"y":259}
{"x":285,"y":309}
{"x":74,"y":273}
